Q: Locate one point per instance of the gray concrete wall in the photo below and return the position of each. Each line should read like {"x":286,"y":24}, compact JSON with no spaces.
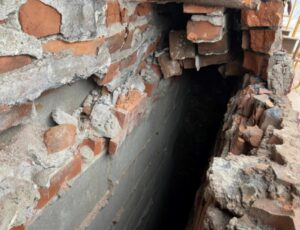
{"x":125,"y":191}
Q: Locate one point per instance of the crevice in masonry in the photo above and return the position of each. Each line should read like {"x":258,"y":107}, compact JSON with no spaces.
{"x":206,"y":105}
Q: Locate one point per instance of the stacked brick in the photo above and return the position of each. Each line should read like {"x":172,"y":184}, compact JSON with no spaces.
{"x":262,"y":35}
{"x":205,"y":41}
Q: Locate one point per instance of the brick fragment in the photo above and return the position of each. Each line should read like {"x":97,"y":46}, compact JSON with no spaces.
{"x":257,"y":63}
{"x":218,"y":47}
{"x":189,"y":63}
{"x":60,"y":137}
{"x":128,"y":61}
{"x":112,"y":73}
{"x":96,"y":144}
{"x":266,"y":40}
{"x":9,"y":63}
{"x":253,"y":135}
{"x":39,"y":19}
{"x":180,"y":47}
{"x":20,"y":227}
{"x":115,"y":42}
{"x":203,"y":31}
{"x":77,"y":48}
{"x":113,"y":12}
{"x":14,"y":115}
{"x":169,"y":67}
{"x":72,"y":169}
{"x":270,"y":14}
{"x":189,"y":8}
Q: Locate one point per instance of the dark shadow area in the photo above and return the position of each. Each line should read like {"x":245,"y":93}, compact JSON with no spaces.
{"x":207,"y":103}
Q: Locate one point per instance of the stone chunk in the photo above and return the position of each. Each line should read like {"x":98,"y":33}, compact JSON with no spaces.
{"x":203,"y":31}
{"x":266,"y":41}
{"x":219,"y":47}
{"x":38,"y":19}
{"x":180,"y":47}
{"x":104,"y":121}
{"x":169,"y":67}
{"x":270,"y":14}
{"x":60,"y":137}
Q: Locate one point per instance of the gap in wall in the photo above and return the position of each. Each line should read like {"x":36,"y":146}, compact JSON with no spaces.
{"x":207,"y":103}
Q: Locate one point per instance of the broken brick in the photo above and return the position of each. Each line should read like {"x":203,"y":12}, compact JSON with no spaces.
{"x":72,"y":169}
{"x":269,"y":14}
{"x":60,"y":137}
{"x":9,"y":63}
{"x":180,"y":47}
{"x":266,"y":41}
{"x":257,"y":63}
{"x":169,"y":67}
{"x":39,"y":19}
{"x":113,"y":12}
{"x":203,"y":31}
{"x":218,"y":47}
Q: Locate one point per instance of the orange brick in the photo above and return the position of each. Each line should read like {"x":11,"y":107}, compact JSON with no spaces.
{"x":257,"y":63}
{"x":113,"y":146}
{"x":8,"y":63}
{"x":94,"y":143}
{"x":77,"y":48}
{"x":270,"y":13}
{"x":219,"y":47}
{"x":112,"y":73}
{"x":116,"y":41}
{"x":113,"y":13}
{"x":143,"y":9}
{"x":13,"y":115}
{"x":129,"y":101}
{"x":58,"y":180}
{"x":20,"y":227}
{"x":39,"y":19}
{"x":266,"y":41}
{"x":198,"y":9}
{"x":203,"y":31}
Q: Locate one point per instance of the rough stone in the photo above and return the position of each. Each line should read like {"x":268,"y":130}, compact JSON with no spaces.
{"x":104,"y":121}
{"x":60,"y":137}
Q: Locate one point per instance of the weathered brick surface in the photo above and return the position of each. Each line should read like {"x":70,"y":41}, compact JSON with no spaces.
{"x":203,"y":31}
{"x":39,"y":19}
{"x":8,"y":63}
{"x":113,"y":13}
{"x":266,"y":41}
{"x":60,"y":137}
{"x":219,"y":47}
{"x":169,"y":67}
{"x":257,"y":63}
{"x":270,"y":13}
{"x":198,"y":9}
{"x":180,"y":47}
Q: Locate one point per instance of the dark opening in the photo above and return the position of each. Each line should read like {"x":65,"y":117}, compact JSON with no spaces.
{"x":206,"y":106}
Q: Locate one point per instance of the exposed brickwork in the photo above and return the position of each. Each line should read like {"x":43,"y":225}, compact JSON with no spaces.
{"x":39,"y":19}
{"x":9,"y":63}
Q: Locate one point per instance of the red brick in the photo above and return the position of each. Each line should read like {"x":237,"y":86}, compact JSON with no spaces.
{"x":77,"y":48}
{"x":39,"y":19}
{"x":143,"y":9}
{"x":129,"y":101}
{"x":180,"y":47}
{"x":152,"y":47}
{"x":60,"y":137}
{"x":219,"y":47}
{"x":238,"y":146}
{"x":270,"y":13}
{"x":266,"y":41}
{"x":113,"y":12}
{"x":94,"y":143}
{"x":128,"y":61}
{"x":257,"y":63}
{"x":20,"y":227}
{"x":9,"y":63}
{"x":203,"y":31}
{"x":189,"y":63}
{"x":169,"y":67}
{"x":112,"y":73}
{"x":71,"y":170}
{"x":198,"y":9}
{"x":14,"y":115}
{"x":116,"y":41}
